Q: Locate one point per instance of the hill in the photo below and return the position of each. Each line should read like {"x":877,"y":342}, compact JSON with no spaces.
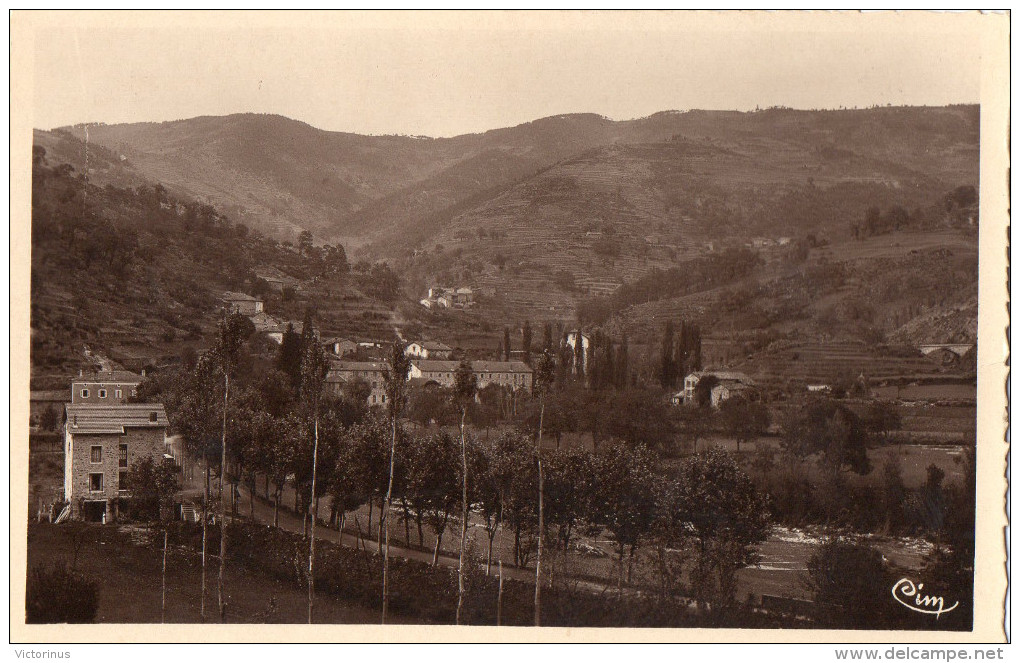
{"x":135,"y":275}
{"x":281,"y":175}
{"x":770,"y":225}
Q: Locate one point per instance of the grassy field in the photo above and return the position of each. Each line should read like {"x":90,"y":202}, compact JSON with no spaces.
{"x":127,"y":563}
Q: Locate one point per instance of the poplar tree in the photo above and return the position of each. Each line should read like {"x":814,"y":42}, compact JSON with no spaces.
{"x":396,"y":395}
{"x":234,"y":330}
{"x":314,"y":367}
{"x":542,"y":382}
{"x":465,"y":387}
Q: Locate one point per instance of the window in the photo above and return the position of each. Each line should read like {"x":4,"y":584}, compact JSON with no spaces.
{"x":373,"y":398}
{"x":134,"y":392}
{"x":384,"y":398}
{"x":96,"y":482}
{"x":123,"y":456}
{"x":97,"y":454}
{"x":102,"y":393}
{"x":117,"y":394}
{"x":84,"y":393}
{"x":153,"y":416}
{"x":122,"y":480}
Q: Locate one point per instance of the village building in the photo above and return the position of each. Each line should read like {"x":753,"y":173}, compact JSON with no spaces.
{"x":276,"y":279}
{"x":102,"y":443}
{"x":105,"y":387}
{"x":238,"y":302}
{"x":509,"y":374}
{"x":727,"y":390}
{"x":730,"y":379}
{"x":428,"y":350}
{"x":440,"y":297}
{"x":341,"y":347}
{"x":372,"y":373}
{"x":273,"y":328}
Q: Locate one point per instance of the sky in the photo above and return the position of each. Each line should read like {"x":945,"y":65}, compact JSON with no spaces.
{"x":443,"y":74}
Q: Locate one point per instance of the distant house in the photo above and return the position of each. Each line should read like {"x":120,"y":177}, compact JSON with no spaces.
{"x":276,"y":279}
{"x":510,"y":374}
{"x":728,"y":389}
{"x":729,"y":378}
{"x":428,"y":350}
{"x":101,"y":445}
{"x":373,"y":373}
{"x":104,"y":387}
{"x":440,"y":297}
{"x":273,"y":328}
{"x":464,"y":297}
{"x":341,"y":347}
{"x":238,"y":302}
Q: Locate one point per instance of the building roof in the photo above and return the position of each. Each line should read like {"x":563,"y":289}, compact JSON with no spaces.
{"x":85,"y":419}
{"x":449,"y":366}
{"x":239,"y":297}
{"x":733,"y":385}
{"x":500,"y":367}
{"x":434,"y":346}
{"x":110,"y":376}
{"x":51,"y":395}
{"x":732,"y":376}
{"x":359,"y":366}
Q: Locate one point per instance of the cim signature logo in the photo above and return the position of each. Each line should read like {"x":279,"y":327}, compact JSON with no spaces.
{"x":910,"y":596}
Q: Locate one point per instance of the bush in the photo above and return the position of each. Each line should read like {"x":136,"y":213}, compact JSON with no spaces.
{"x":60,"y":596}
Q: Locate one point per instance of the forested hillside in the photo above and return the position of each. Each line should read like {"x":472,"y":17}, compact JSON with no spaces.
{"x":136,"y":275}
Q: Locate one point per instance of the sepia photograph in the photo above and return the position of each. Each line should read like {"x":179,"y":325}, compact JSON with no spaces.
{"x":587,"y":320}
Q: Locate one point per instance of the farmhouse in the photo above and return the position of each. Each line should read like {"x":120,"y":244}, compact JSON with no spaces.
{"x":428,"y":350}
{"x":440,"y":297}
{"x":101,"y":445}
{"x":372,"y":373}
{"x":510,"y":374}
{"x":341,"y":347}
{"x":105,"y":387}
{"x":276,"y":279}
{"x":728,"y":389}
{"x":731,"y":379}
{"x":238,"y":302}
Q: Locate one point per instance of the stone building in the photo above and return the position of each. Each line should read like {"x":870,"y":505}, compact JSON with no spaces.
{"x":101,"y":445}
{"x":104,"y":387}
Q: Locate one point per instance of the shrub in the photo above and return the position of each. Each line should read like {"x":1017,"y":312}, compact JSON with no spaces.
{"x":60,"y":595}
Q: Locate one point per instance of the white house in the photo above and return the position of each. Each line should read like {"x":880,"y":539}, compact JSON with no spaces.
{"x":428,"y":350}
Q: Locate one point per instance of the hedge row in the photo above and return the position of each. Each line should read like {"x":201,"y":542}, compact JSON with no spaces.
{"x":429,"y":594}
